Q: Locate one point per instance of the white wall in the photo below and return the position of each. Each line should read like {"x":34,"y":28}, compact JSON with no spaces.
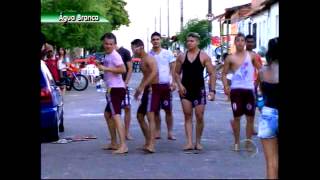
{"x":267,"y":25}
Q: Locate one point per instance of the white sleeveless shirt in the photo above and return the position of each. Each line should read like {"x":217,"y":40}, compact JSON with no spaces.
{"x":243,"y":76}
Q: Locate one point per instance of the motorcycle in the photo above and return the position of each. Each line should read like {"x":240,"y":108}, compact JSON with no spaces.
{"x":75,"y":79}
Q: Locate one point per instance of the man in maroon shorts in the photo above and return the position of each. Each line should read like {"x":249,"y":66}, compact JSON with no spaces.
{"x":243,"y":64}
{"x":113,"y":67}
{"x":150,"y":102}
{"x":165,"y":63}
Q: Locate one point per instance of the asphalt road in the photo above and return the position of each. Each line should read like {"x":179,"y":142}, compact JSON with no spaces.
{"x":87,"y":160}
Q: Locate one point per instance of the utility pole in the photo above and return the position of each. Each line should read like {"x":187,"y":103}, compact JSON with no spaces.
{"x":181,"y":16}
{"x":148,"y":39}
{"x":210,"y":15}
{"x":160,"y":21}
{"x":155,"y":23}
{"x":168,"y":21}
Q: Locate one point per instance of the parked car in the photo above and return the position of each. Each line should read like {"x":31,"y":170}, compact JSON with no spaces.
{"x":51,"y":104}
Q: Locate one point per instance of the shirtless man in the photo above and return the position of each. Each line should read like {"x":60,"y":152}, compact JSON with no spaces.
{"x":242,"y":63}
{"x":150,"y":102}
{"x":192,"y":88}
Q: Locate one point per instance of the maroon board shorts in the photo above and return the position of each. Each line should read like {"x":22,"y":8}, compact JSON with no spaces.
{"x":156,"y":97}
{"x":126,"y":101}
{"x":242,"y":102}
{"x":114,"y":100}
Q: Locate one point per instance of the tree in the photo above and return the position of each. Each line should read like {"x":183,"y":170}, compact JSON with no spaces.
{"x":83,"y":35}
{"x":199,"y":26}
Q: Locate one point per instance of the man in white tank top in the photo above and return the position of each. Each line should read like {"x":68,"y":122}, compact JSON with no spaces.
{"x":243,"y":64}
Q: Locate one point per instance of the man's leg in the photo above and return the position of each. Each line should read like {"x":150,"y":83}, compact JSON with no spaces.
{"x":169,"y":121}
{"x":249,"y":126}
{"x":187,"y":110}
{"x":166,"y":103}
{"x":144,"y":128}
{"x":121,"y":131}
{"x":157,"y":117}
{"x":270,"y":148}
{"x":236,"y":132}
{"x":127,"y":119}
{"x":199,"y":110}
{"x":236,"y":97}
{"x":152,"y":128}
{"x":249,"y":110}
{"x":112,"y":130}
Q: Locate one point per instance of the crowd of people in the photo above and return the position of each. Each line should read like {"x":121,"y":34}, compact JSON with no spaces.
{"x":164,"y":72}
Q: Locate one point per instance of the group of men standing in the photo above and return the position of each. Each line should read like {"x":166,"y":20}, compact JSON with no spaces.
{"x":162,"y":74}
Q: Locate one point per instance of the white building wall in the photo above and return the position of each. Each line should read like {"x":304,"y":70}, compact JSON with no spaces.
{"x":267,"y":25}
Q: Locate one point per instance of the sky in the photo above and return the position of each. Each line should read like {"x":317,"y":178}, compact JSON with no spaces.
{"x":144,"y":16}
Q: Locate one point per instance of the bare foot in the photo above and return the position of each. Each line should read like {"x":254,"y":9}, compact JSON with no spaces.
{"x":157,"y":135}
{"x":129,"y":137}
{"x":236,"y":147}
{"x":111,"y":147}
{"x":143,"y":147}
{"x":121,"y":150}
{"x":198,"y":147}
{"x":249,"y":147}
{"x":188,"y":147}
{"x":172,"y":137}
{"x":149,"y":149}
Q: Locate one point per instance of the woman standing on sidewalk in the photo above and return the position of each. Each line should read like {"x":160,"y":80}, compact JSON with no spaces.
{"x":268,"y":122}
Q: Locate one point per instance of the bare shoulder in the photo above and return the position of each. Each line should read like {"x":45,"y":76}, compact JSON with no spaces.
{"x":181,"y":56}
{"x":252,"y":54}
{"x":204,"y":55}
{"x":150,"y":59}
{"x":229,"y":58}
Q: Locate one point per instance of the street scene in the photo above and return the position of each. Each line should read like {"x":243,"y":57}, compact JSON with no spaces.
{"x":155,"y":89}
{"x":86,"y":159}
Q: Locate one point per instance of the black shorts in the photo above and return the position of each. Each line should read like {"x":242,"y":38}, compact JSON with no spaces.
{"x":196,"y":98}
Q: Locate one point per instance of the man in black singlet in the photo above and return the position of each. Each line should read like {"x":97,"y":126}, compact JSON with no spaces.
{"x":192,"y":88}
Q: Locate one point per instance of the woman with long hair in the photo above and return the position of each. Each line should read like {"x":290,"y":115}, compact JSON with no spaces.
{"x":62,"y":66}
{"x":268,"y":121}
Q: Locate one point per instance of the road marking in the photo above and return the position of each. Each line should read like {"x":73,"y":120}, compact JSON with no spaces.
{"x":92,"y":114}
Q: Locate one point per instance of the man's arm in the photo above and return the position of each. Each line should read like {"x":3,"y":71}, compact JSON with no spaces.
{"x":129,"y":64}
{"x":211,"y":72}
{"x":172,"y":72}
{"x":256,"y":61}
{"x":152,"y":65}
{"x":177,"y":70}
{"x":226,"y":68}
{"x":117,"y":70}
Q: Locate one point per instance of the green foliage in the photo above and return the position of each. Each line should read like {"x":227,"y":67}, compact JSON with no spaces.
{"x":199,"y":26}
{"x":83,"y":35}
